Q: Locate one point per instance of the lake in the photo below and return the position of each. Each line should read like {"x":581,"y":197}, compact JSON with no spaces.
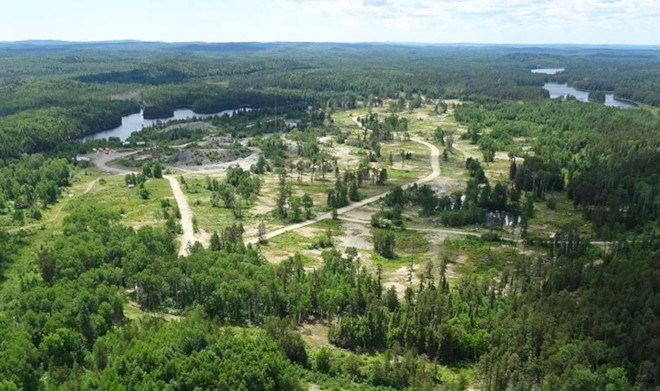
{"x":548,"y":71}
{"x":134,"y":122}
{"x":557,"y":90}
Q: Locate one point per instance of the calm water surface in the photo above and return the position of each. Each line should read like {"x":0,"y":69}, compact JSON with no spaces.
{"x":548,"y":71}
{"x":557,"y":90}
{"x":134,"y":122}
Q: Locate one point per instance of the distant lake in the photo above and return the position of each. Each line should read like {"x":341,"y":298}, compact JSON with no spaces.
{"x":548,"y":71}
{"x":557,"y":90}
{"x":134,"y":122}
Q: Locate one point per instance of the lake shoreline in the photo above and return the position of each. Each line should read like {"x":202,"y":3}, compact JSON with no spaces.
{"x":135,"y":122}
{"x":583,"y":95}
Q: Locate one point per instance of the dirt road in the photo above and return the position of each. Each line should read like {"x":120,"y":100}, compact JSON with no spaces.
{"x":101,"y":161}
{"x":435,"y":165}
{"x":188,"y":237}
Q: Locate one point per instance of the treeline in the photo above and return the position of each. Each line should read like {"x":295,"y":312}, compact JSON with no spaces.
{"x":153,"y":75}
{"x":238,"y":189}
{"x":558,"y":319}
{"x":630,"y":74}
{"x":65,"y":324}
{"x":52,"y":320}
{"x":379,"y":72}
{"x":65,"y":327}
{"x":633,"y":78}
{"x":385,"y":129}
{"x":385,"y":71}
{"x":480,"y":203}
{"x":79,"y":95}
{"x":209,"y":99}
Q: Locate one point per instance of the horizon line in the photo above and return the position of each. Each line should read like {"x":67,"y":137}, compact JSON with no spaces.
{"x":407,"y":43}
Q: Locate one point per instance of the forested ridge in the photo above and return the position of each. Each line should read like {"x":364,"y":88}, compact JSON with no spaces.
{"x":91,"y":299}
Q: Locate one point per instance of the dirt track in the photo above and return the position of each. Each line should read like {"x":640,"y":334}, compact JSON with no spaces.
{"x":101,"y":161}
{"x":188,"y":237}
{"x":60,"y":206}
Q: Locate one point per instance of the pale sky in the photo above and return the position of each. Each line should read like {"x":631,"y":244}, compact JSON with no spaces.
{"x":432,"y":21}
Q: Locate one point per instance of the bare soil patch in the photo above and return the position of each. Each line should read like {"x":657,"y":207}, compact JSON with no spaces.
{"x":195,"y":125}
{"x":355,"y":236}
{"x":399,"y":279}
{"x":452,"y":274}
{"x":343,"y":153}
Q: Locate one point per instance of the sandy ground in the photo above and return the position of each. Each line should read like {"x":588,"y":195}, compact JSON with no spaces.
{"x":444,"y":186}
{"x":203,"y":237}
{"x":451,"y":266}
{"x":399,"y":279}
{"x":363,"y":214}
{"x":309,"y":232}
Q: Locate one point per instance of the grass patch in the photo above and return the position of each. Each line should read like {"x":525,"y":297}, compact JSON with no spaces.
{"x":289,"y":241}
{"x":289,"y":244}
{"x":548,"y":221}
{"x":409,"y":247}
{"x":334,"y":226}
{"x":481,"y":257}
{"x":114,"y":195}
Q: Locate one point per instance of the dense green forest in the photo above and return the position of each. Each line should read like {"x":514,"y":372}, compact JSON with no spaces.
{"x":606,"y":158}
{"x":536,"y":326}
{"x":568,"y":311}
